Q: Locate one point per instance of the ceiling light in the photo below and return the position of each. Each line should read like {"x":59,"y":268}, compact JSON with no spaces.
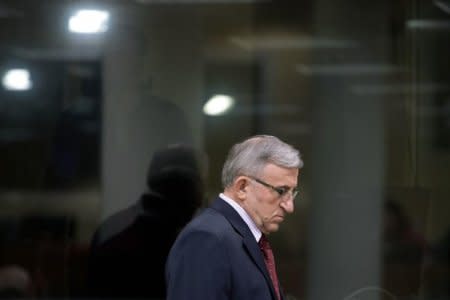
{"x":347,"y":69}
{"x":398,"y":89}
{"x":89,"y":21}
{"x":196,"y":1}
{"x":428,"y":24}
{"x":275,"y":42}
{"x":17,"y":80}
{"x":218,"y":105}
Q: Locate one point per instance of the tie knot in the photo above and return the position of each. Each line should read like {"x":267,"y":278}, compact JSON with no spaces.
{"x":264,"y":243}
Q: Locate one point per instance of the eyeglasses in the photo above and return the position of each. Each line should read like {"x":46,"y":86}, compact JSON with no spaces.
{"x":282,"y":191}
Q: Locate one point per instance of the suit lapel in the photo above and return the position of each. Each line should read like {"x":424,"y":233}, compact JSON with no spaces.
{"x":248,"y":239}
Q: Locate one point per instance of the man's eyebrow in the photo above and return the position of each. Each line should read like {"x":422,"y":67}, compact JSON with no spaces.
{"x":286,"y":188}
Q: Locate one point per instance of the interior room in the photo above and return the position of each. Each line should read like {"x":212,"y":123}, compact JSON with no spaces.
{"x":92,"y":89}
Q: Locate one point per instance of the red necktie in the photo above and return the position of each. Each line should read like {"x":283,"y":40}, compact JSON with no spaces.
{"x":270,"y":262}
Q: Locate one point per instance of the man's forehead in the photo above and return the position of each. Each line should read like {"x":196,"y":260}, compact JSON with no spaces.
{"x":275,"y":171}
{"x":274,"y":167}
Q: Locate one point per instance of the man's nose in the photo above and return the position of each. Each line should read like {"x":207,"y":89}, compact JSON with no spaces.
{"x":288,"y":205}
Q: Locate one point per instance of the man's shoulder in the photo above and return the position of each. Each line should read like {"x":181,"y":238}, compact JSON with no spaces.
{"x":208,"y":220}
{"x":209,"y":232}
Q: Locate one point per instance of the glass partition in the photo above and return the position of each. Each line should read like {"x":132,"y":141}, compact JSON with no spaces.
{"x":93,"y":93}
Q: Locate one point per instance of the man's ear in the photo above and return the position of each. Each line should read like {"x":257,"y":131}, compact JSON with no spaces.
{"x":241,"y":187}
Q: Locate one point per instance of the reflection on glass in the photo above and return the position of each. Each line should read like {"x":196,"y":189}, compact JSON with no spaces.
{"x":17,"y":80}
{"x":89,"y":21}
{"x":363,"y":88}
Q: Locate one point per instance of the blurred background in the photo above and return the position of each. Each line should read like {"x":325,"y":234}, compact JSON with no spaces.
{"x":91,"y":89}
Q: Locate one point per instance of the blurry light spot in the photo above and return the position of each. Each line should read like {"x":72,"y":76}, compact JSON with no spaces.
{"x":277,"y":42}
{"x":89,"y":21}
{"x":445,"y":7}
{"x":428,"y":24}
{"x":218,"y":105}
{"x":17,"y":80}
{"x":347,"y":69}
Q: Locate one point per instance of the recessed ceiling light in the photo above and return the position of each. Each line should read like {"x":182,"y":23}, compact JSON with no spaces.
{"x":218,"y":105}
{"x":89,"y":21}
{"x":17,"y":80}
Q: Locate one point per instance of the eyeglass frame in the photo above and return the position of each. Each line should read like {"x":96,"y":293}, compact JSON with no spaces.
{"x":282,"y":191}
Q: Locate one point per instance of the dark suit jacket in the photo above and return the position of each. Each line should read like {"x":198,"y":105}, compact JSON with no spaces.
{"x":217,"y":257}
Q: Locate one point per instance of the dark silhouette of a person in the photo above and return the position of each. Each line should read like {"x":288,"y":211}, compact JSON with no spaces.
{"x":129,"y":250}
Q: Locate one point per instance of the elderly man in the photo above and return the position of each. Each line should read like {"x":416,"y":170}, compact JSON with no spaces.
{"x":223,"y":253}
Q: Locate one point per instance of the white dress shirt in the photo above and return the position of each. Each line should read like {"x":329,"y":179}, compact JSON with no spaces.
{"x":244,"y":215}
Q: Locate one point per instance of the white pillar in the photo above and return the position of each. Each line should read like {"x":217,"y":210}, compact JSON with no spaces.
{"x":136,"y":122}
{"x":347,"y":160}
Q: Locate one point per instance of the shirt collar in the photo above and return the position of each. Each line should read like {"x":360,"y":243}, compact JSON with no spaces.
{"x":244,"y":215}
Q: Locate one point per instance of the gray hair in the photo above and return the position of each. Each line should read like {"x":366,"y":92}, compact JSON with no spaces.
{"x":252,"y":155}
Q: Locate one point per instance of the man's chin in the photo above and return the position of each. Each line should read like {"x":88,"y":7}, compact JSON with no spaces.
{"x":273,"y":227}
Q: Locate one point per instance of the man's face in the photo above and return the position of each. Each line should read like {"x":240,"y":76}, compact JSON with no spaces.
{"x":264,"y":205}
